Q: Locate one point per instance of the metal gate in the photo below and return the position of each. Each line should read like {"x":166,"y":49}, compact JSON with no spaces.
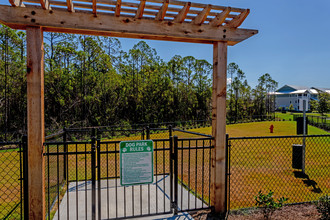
{"x":13,"y":176}
{"x":83,"y":181}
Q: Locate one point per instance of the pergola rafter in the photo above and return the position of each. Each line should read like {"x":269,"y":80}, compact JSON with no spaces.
{"x":169,"y":20}
{"x":147,"y":19}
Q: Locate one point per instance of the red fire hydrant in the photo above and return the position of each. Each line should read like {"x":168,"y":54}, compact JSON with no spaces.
{"x":271,"y":128}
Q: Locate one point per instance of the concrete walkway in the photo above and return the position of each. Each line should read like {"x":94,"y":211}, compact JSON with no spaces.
{"x":139,"y":200}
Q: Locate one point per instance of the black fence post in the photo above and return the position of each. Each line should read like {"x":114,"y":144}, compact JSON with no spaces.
{"x":171,"y":172}
{"x":65,"y":153}
{"x":142,"y":134}
{"x":98,"y":150}
{"x":148,"y":133}
{"x":25,"y":178}
{"x":176,"y":181}
{"x":93,"y":166}
{"x":170,"y":131}
{"x":227,"y":196}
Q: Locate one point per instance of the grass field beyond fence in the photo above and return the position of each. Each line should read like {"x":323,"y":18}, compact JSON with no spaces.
{"x":256,"y":164}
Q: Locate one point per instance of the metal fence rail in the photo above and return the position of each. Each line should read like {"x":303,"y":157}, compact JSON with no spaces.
{"x":322,"y":122}
{"x":265,"y":163}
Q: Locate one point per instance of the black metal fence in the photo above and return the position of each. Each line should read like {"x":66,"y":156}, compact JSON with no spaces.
{"x":322,"y":122}
{"x":252,"y":118}
{"x":83,"y":181}
{"x":266,"y":163}
{"x":13,"y":165}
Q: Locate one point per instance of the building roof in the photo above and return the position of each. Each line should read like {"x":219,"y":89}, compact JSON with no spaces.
{"x":292,"y":89}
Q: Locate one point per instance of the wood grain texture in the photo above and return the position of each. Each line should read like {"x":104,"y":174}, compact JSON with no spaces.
{"x":220,"y":18}
{"x":35,"y":122}
{"x":219,"y":126}
{"x":118,"y":7}
{"x":182,"y":13}
{"x":94,"y":7}
{"x":236,"y":22}
{"x":69,"y":4}
{"x":140,"y":10}
{"x":16,"y":3}
{"x":162,"y":11}
{"x":82,"y":23}
{"x":201,"y":17}
{"x":45,"y":4}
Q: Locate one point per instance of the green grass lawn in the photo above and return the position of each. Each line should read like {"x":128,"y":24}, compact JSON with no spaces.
{"x":289,"y":116}
{"x":255,"y":164}
{"x":254,"y":129}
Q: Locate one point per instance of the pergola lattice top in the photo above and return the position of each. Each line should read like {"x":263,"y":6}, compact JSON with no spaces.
{"x":160,"y":10}
{"x":148,"y":19}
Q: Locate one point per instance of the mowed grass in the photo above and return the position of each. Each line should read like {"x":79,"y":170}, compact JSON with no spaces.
{"x":255,"y":165}
{"x":251,"y":161}
{"x":256,"y":129}
{"x":10,"y":184}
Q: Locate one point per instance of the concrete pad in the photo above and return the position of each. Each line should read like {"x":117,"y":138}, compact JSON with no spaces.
{"x":125,"y":201}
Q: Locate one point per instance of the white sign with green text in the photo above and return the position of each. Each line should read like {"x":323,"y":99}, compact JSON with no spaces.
{"x":136,"y":162}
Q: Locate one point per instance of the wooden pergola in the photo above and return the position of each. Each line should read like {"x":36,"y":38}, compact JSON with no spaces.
{"x":168,"y":20}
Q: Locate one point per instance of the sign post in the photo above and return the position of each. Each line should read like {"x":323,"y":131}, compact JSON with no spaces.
{"x":136,"y":162}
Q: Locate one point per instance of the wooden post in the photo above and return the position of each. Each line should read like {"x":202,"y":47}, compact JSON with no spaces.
{"x":219,"y":126}
{"x":35,"y":121}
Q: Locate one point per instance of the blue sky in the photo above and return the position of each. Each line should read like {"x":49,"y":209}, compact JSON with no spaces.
{"x":293,"y":44}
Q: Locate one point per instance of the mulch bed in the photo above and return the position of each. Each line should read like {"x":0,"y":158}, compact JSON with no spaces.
{"x":291,"y":212}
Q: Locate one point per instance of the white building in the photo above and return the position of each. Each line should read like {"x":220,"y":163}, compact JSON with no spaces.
{"x":288,"y":94}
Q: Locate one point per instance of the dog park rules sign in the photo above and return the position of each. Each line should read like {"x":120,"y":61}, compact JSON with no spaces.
{"x":136,"y":162}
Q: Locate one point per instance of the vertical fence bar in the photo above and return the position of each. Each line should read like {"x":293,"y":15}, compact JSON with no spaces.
{"x":58,"y":182}
{"x":176,"y":175}
{"x":21,"y":177}
{"x":48,"y":203}
{"x":98,"y":150}
{"x":148,"y":132}
{"x":25,"y":178}
{"x":170,"y":131}
{"x":227,"y":174}
{"x":171,"y":173}
{"x":65,"y":149}
{"x":93,"y":160}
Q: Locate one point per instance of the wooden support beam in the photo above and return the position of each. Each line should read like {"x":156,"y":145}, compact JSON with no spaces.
{"x":236,"y":22}
{"x":201,"y":17}
{"x":218,"y":175}
{"x":45,"y":4}
{"x":69,"y":4}
{"x":118,"y":7}
{"x":183,"y":13}
{"x":220,"y":18}
{"x":35,"y":122}
{"x":94,"y":7}
{"x":162,"y":11}
{"x":17,"y":3}
{"x":108,"y":25}
{"x":139,"y":12}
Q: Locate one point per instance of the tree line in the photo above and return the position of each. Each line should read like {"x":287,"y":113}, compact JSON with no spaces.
{"x":91,"y":81}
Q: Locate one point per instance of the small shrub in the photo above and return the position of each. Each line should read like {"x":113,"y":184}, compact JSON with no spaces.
{"x":267,"y":203}
{"x":323,"y":207}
